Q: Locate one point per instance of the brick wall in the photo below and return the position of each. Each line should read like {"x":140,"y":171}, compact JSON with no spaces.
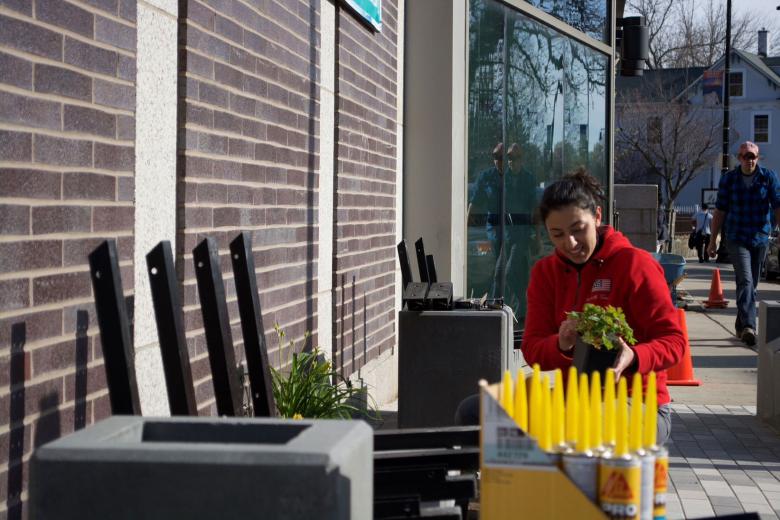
{"x":248,"y":159}
{"x":67,"y":102}
{"x":364,"y":263}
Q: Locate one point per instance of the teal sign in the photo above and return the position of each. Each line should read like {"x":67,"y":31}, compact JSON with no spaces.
{"x":369,"y":10}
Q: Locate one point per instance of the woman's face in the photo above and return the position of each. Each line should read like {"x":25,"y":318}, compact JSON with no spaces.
{"x":573,"y":232}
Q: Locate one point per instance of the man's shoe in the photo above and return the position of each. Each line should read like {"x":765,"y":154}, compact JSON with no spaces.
{"x":748,"y":336}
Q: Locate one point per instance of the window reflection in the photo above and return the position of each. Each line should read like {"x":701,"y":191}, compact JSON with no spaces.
{"x":536,"y":111}
{"x":589,"y":16}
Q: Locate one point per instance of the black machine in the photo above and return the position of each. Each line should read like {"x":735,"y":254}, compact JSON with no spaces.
{"x":428,"y":294}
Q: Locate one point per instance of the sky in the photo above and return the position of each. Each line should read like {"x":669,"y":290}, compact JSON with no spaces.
{"x":764,"y":9}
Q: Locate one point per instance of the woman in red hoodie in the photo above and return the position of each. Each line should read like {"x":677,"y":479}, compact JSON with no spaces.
{"x":593,"y":263}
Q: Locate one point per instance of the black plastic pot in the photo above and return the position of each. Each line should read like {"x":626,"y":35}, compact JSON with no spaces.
{"x":588,"y":359}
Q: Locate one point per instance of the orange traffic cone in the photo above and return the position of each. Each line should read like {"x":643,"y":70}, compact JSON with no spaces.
{"x":716,"y":299}
{"x":681,"y":374}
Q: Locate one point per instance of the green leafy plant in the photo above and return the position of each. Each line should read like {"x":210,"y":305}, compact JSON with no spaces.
{"x":311,"y":388}
{"x":602,"y":326}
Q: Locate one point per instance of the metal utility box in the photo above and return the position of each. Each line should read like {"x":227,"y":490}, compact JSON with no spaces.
{"x":137,"y":467}
{"x":442,"y":355}
{"x":768,"y":381}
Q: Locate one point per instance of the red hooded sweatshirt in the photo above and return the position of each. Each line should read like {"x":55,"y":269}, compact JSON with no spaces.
{"x":617,"y":274}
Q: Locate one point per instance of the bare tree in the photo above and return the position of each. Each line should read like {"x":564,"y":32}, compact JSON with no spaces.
{"x":692,"y":33}
{"x":660,"y":133}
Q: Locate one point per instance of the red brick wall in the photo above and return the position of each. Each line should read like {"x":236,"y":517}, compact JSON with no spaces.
{"x":67,"y":125}
{"x":249,"y":159}
{"x":364,"y":262}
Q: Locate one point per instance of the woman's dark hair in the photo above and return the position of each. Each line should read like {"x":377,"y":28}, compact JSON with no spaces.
{"x":578,"y":188}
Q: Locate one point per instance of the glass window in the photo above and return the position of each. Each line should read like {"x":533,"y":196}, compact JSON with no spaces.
{"x":589,"y":16}
{"x":537,"y":109}
{"x":761,"y":128}
{"x":736,"y":85}
{"x":654,"y":130}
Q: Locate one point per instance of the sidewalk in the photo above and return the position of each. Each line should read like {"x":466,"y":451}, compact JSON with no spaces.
{"x":723,"y":460}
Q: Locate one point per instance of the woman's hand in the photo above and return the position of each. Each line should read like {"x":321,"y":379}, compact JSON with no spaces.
{"x":567,"y":335}
{"x":624,"y":358}
{"x":711,"y":249}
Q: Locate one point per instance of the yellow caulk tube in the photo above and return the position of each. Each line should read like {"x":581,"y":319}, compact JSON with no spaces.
{"x":582,"y":466}
{"x":571,"y":408}
{"x":646,"y":458}
{"x":660,"y":484}
{"x":609,"y":409}
{"x":545,"y":436}
{"x":507,"y":397}
{"x":620,"y":472}
{"x":558,"y":420}
{"x":535,"y":405}
{"x":596,"y":416}
{"x":521,"y":402}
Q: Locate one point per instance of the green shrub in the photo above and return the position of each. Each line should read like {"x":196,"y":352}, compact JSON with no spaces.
{"x":311,"y":388}
{"x":602,"y":326}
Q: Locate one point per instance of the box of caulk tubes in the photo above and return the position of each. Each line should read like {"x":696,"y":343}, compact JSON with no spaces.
{"x":517,"y":477}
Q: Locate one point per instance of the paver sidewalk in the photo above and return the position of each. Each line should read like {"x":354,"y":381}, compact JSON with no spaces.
{"x":723,"y":459}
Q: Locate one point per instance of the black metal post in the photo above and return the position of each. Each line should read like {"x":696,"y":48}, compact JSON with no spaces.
{"x":216,"y":323}
{"x":252,"y":326}
{"x":170,"y":331}
{"x":726,"y":83}
{"x":114,"y":330}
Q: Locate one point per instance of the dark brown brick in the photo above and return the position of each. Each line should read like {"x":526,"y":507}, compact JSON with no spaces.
{"x":228,"y":29}
{"x":32,"y":184}
{"x":38,"y":325}
{"x":60,"y":287}
{"x":28,"y":111}
{"x":113,"y":218}
{"x":65,"y":15}
{"x":53,"y":357}
{"x":30,"y":38}
{"x":114,"y":95}
{"x":109,"y":6}
{"x":89,"y":57}
{"x":14,"y":220}
{"x":56,"y":80}
{"x":200,"y":14}
{"x":88,"y":120}
{"x":114,"y":33}
{"x":117,"y":158}
{"x":14,"y":294}
{"x":15,"y":146}
{"x":90,"y":186}
{"x":64,"y":152}
{"x":128,"y":10}
{"x":125,"y":127}
{"x":213,"y":95}
{"x":15,"y":71}
{"x":228,"y":76}
{"x":125,"y":67}
{"x":22,"y":6}
{"x":61,"y":219}
{"x":30,"y":255}
{"x":125,"y":189}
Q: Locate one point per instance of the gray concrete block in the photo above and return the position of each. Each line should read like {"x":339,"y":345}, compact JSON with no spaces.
{"x":636,"y":196}
{"x":768,"y":385}
{"x":135,"y":467}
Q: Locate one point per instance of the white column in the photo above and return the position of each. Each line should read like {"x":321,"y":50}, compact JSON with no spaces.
{"x":155,"y":181}
{"x":325,"y":208}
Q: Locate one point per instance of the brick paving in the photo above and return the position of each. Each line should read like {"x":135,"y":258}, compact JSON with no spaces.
{"x":722,"y":460}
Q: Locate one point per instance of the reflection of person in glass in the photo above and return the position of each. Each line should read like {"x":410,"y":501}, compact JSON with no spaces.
{"x":514,"y":190}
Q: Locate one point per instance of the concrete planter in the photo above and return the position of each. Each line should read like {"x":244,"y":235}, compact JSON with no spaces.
{"x":135,"y":467}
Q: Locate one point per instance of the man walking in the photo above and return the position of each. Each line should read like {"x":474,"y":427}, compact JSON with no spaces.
{"x":746,"y":195}
{"x":702,"y":228}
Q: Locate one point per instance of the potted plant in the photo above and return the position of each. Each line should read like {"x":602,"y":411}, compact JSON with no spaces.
{"x":598,"y":330}
{"x":311,"y":388}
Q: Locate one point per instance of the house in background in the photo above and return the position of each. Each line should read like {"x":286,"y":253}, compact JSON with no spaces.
{"x":754,"y":103}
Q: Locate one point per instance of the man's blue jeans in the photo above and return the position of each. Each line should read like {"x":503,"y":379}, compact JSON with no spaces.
{"x":747,"y":262}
